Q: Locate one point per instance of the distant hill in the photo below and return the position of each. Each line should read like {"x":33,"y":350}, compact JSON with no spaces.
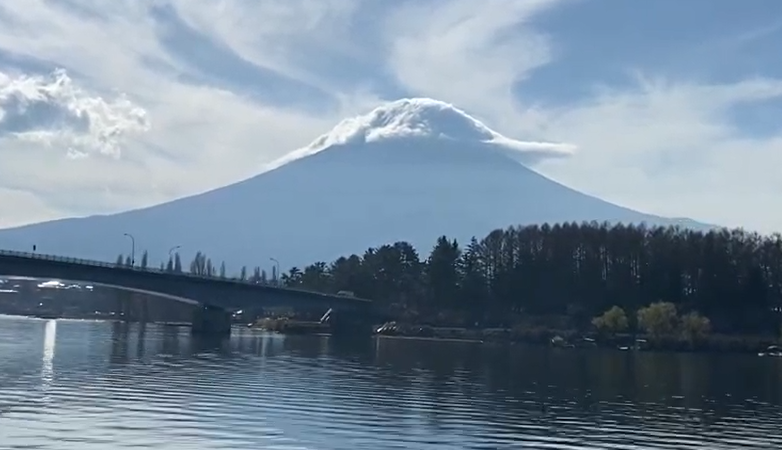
{"x":410,"y":170}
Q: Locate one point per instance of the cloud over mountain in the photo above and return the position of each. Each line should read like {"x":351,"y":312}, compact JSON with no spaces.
{"x":425,"y":118}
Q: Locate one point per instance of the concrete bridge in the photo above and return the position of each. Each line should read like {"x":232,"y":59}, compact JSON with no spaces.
{"x":214,"y":296}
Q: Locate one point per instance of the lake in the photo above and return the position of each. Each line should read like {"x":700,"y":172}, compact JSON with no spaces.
{"x":99,"y":385}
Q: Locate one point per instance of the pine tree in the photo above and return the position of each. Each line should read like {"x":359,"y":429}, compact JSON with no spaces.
{"x":563,"y":275}
{"x":256,"y":278}
{"x":442,"y":272}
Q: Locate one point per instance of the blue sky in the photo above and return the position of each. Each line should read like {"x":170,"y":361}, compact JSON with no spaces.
{"x":674,"y":106}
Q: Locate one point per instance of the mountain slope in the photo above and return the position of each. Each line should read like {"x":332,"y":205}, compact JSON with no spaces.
{"x":411,"y":170}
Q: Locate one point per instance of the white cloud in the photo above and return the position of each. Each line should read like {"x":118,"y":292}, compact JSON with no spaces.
{"x":667,"y":146}
{"x":663,"y":146}
{"x":53,"y":112}
{"x":468,"y":53}
{"x":673,"y":149}
{"x":271,"y":33}
{"x":195,"y":136}
{"x":425,"y":118}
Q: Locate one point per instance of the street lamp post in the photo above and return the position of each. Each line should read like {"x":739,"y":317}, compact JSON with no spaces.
{"x":277,"y":278}
{"x":132,"y":249}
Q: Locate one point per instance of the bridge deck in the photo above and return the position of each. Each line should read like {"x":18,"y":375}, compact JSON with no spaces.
{"x":23,"y":258}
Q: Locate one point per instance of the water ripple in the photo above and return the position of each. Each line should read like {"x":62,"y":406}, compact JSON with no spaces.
{"x":69,"y":385}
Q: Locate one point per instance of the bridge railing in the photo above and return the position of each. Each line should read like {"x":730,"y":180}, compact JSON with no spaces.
{"x":115,"y":265}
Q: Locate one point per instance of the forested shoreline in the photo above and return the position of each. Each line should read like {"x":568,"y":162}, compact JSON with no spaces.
{"x":564,"y":277}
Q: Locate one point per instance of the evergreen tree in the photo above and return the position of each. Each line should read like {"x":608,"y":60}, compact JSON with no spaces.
{"x":473,"y":289}
{"x":177,"y":263}
{"x":442,"y":274}
{"x":256,"y":277}
{"x":292,"y":278}
{"x":198,"y":266}
{"x":566,"y":275}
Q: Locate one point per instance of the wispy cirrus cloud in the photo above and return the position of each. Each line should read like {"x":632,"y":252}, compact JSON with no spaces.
{"x":481,"y":49}
{"x":672,"y":143}
{"x":185,"y":96}
{"x":198,"y":132}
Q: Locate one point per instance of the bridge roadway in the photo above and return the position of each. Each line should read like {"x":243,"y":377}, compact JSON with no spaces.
{"x":215,"y":295}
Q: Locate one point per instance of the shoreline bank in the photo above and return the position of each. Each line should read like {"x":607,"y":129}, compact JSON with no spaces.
{"x":565,"y":339}
{"x":715,"y":343}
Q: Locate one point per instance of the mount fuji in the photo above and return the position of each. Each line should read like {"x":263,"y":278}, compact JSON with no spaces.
{"x":411,"y":170}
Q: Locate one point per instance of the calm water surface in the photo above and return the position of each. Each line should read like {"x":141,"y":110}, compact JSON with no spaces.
{"x":92,"y":385}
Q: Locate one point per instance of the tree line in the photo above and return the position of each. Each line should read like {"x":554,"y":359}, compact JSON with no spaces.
{"x":200,"y":265}
{"x":562,"y":276}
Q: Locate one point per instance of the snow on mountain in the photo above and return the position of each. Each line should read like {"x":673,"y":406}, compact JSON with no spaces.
{"x":423,"y":118}
{"x":410,"y":170}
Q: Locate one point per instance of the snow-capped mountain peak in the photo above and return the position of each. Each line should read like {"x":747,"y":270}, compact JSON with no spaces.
{"x":423,"y":118}
{"x":418,"y":117}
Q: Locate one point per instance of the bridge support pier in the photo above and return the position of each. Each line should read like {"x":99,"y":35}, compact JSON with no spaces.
{"x":144,"y":314}
{"x":211,"y":321}
{"x":125,"y":310}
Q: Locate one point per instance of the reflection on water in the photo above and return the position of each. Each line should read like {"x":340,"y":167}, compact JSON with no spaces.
{"x":113,"y":385}
{"x":47,"y":368}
